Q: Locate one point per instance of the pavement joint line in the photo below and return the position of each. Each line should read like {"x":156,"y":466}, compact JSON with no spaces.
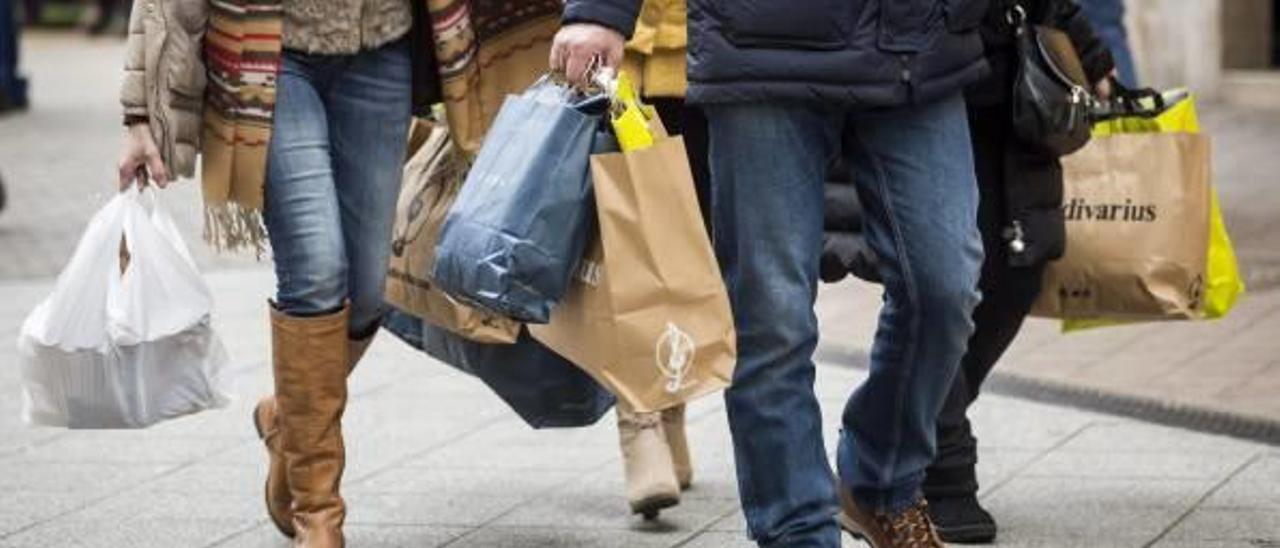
{"x":520,"y":504}
{"x":693,"y":535}
{"x":1196,"y":505}
{"x":122,"y":491}
{"x":235,"y":535}
{"x":1037,"y":459}
{"x":375,"y":472}
{"x":17,"y":451}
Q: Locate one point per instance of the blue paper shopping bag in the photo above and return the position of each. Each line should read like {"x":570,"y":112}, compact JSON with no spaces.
{"x":519,"y":226}
{"x":546,"y":390}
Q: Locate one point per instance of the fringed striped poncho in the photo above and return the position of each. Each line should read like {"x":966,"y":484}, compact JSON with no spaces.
{"x":485,"y":50}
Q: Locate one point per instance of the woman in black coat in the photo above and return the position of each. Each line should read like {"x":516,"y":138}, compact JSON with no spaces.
{"x":1022,"y":226}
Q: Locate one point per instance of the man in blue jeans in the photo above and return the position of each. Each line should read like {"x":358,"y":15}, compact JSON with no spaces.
{"x":786,"y":86}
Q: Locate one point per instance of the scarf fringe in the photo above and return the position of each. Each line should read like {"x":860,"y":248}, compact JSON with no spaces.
{"x":232,"y":227}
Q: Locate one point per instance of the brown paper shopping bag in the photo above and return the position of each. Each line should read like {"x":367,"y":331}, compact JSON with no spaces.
{"x":648,"y":315}
{"x":432,"y":177}
{"x":1137,"y":210}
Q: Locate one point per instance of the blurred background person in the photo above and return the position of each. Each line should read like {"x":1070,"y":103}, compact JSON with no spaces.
{"x":107,"y":20}
{"x":1107,"y":18}
{"x":1020,"y":217}
{"x":13,"y":87}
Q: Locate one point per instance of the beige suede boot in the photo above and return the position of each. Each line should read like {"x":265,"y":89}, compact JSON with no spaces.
{"x":678,"y":441}
{"x":650,"y":473}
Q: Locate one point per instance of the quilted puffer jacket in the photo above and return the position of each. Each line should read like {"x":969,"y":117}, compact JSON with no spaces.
{"x":164,"y":44}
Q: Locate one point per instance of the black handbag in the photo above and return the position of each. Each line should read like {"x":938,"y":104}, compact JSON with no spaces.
{"x":1051,"y":99}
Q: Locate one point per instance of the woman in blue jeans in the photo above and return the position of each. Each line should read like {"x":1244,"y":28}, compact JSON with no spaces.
{"x":304,"y":133}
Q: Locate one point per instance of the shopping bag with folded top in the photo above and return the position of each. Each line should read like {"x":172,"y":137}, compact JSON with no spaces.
{"x":1145,"y":238}
{"x":125,"y":339}
{"x":546,"y":390}
{"x":432,"y":178}
{"x":648,"y":314}
{"x":519,"y":225}
{"x":1147,"y":111}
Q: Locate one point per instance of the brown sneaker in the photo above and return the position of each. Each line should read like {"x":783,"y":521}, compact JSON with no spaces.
{"x":909,"y":528}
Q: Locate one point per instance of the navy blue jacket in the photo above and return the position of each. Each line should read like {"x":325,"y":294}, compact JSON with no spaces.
{"x":871,"y":53}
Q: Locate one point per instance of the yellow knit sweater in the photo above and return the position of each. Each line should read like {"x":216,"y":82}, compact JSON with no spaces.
{"x":656,"y":52}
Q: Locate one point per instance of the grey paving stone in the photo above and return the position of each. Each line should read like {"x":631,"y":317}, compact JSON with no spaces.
{"x":27,"y":475}
{"x":131,"y":533}
{"x":1137,"y":464}
{"x":717,"y":539}
{"x":527,"y":537}
{"x":131,"y":447}
{"x":509,"y":447}
{"x":1091,"y":510}
{"x":1129,"y":436}
{"x":151,"y":504}
{"x":997,"y":465}
{"x":714,"y":539}
{"x":1258,"y":526}
{"x":585,"y":505}
{"x":733,"y":522}
{"x":222,"y":479}
{"x":1215,"y":544}
{"x":434,"y":481}
{"x":448,"y":509}
{"x":361,"y":536}
{"x":1010,"y":424}
{"x":21,"y":509}
{"x":1257,"y":486}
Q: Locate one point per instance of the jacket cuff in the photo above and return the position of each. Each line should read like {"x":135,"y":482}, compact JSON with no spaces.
{"x":135,"y":115}
{"x":619,"y":15}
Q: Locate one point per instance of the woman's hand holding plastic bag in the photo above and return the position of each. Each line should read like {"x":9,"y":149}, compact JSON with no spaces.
{"x":124,"y":340}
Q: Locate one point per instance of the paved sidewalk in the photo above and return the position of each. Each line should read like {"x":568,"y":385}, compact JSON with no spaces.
{"x":1212,"y":373}
{"x":435,"y":460}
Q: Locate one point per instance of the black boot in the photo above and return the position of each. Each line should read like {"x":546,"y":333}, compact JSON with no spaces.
{"x":961,"y":520}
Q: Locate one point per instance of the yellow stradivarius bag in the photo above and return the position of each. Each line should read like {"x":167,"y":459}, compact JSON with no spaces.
{"x":1223,"y":283}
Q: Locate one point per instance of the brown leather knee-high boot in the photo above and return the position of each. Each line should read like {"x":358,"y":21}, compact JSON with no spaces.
{"x":279,"y":500}
{"x":311,"y":363}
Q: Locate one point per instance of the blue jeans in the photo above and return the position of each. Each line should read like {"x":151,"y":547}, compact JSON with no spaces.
{"x":914,"y":170}
{"x":1107,"y":18}
{"x":333,"y":177}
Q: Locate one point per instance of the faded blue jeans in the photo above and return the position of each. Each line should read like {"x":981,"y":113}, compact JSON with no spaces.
{"x":333,"y":177}
{"x":913,"y":167}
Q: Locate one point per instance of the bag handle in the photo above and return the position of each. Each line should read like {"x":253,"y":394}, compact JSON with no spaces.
{"x":1128,"y":102}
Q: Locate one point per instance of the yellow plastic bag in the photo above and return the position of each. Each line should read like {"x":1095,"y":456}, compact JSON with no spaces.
{"x":1224,"y":284}
{"x":635,"y":124}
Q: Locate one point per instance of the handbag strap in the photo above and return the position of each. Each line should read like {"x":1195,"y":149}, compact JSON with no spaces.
{"x":1015,"y":14}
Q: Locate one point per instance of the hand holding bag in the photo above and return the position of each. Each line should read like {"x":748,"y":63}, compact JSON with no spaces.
{"x":520,"y":223}
{"x":648,"y":315}
{"x":125,"y":338}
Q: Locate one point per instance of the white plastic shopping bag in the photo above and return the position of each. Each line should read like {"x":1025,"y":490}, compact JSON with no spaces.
{"x":124,"y":340}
